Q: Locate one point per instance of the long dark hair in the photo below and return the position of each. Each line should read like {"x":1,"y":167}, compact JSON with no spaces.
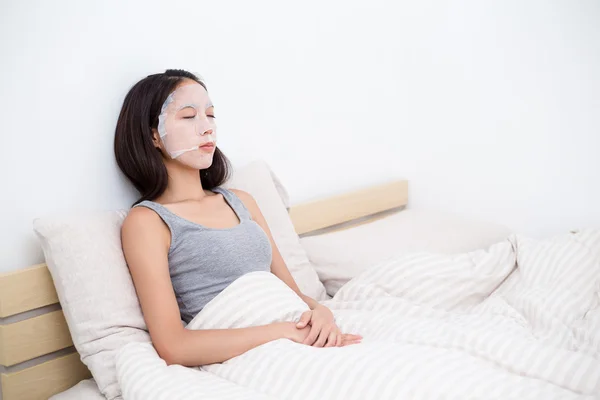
{"x":137,"y":157}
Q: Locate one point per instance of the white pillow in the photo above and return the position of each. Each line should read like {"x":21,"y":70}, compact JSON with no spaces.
{"x":95,"y":289}
{"x":342,"y":255}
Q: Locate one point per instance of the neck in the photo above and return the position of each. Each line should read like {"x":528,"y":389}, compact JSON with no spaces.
{"x":184,"y":184}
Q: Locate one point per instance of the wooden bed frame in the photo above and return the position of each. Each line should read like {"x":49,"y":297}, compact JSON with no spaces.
{"x":37,"y":357}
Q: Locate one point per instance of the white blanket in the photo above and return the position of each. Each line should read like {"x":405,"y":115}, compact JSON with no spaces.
{"x":434,"y":327}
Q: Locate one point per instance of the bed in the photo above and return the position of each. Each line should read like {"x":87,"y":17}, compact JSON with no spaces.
{"x":550,"y":355}
{"x":36,"y":348}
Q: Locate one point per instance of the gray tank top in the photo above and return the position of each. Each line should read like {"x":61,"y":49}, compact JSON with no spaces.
{"x":204,"y":261}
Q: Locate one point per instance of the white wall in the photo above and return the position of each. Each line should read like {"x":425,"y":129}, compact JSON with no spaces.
{"x":490,"y":108}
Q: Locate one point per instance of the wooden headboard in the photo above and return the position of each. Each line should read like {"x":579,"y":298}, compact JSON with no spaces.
{"x":37,"y":357}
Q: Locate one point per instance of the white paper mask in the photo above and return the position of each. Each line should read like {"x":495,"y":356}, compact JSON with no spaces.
{"x":185,"y":129}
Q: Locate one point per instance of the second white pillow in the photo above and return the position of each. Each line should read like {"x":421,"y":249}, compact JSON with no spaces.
{"x":340,"y":256}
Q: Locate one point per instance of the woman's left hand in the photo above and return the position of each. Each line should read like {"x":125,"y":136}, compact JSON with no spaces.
{"x":323,"y":332}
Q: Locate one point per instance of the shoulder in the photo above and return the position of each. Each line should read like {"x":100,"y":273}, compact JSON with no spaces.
{"x":143,"y":224}
{"x":139,"y":217}
{"x":243,"y":196}
{"x":247,"y":199}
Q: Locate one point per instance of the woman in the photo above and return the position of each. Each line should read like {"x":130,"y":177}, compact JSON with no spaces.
{"x":187,"y":239}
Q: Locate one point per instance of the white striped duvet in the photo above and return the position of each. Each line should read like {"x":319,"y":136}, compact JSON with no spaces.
{"x":435,"y":327}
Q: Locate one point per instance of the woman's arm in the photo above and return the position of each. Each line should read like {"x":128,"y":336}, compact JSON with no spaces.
{"x":146,"y":241}
{"x":324,"y":331}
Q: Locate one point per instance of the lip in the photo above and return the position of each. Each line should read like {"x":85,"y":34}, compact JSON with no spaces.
{"x":208,"y":146}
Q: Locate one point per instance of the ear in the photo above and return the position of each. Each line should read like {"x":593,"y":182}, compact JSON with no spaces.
{"x":156,"y":139}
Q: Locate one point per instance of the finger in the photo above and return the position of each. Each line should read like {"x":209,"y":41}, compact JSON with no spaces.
{"x":304,"y":319}
{"x":332,"y":339}
{"x":312,"y":335}
{"x":349,"y":336}
{"x":339,"y":340}
{"x":348,"y":339}
{"x":323,"y":335}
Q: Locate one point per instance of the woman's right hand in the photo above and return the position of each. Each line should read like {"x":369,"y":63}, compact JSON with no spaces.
{"x":291,"y":332}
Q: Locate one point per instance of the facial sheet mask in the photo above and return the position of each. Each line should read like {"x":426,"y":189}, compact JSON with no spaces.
{"x":184,"y":127}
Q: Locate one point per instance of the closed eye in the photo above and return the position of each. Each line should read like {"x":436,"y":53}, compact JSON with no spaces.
{"x":211,"y":116}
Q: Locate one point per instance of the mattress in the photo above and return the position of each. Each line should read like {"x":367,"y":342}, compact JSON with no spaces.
{"x":86,"y":389}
